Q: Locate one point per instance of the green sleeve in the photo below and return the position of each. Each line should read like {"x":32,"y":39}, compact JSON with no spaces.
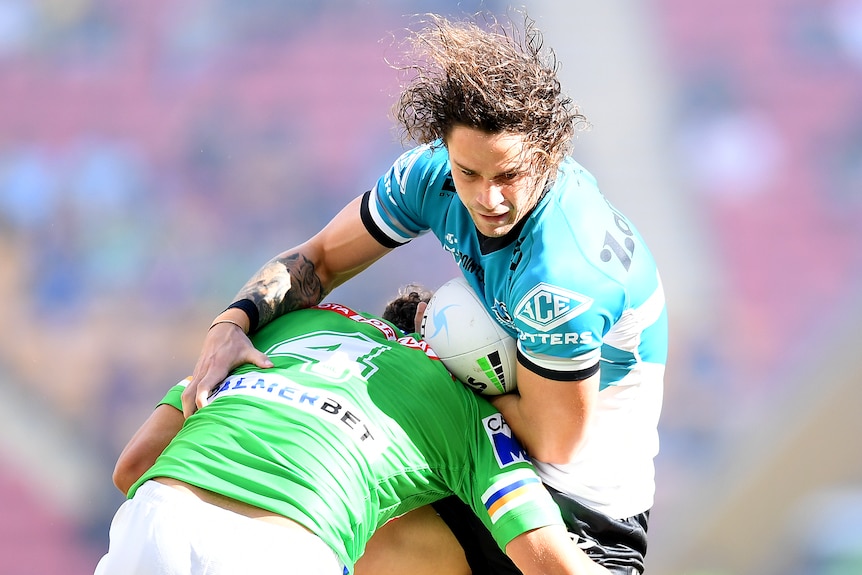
{"x":504,"y":491}
{"x":174,"y":395}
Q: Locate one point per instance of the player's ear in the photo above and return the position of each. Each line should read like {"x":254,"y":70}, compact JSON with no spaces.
{"x":417,"y":319}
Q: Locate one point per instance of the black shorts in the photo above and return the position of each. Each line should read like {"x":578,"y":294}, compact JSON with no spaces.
{"x":618,"y":545}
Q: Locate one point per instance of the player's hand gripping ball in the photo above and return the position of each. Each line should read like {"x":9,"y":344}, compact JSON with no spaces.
{"x":472,"y":345}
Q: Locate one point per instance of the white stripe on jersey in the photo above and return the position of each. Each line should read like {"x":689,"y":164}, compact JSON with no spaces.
{"x":626,"y":333}
{"x":399,"y":234}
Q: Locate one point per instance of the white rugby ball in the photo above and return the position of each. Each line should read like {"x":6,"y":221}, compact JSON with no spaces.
{"x":472,"y":345}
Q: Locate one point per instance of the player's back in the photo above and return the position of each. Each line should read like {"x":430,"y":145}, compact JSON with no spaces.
{"x":355,"y":424}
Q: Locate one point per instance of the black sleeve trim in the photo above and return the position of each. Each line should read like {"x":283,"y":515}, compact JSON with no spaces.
{"x":557,"y":375}
{"x":368,"y":221}
{"x":250,"y":310}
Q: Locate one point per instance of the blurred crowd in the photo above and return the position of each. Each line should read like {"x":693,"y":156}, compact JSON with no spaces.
{"x":767,"y":131}
{"x":154,"y":153}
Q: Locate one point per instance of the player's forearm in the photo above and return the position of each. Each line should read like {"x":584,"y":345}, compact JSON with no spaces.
{"x":550,"y":551}
{"x":546,"y":438}
{"x":550,"y":418}
{"x":527,"y":432}
{"x":303,"y":276}
{"x":286,"y":283}
{"x":146,"y":445}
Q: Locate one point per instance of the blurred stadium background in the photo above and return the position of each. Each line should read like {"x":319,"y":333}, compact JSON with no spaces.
{"x":154,"y":153}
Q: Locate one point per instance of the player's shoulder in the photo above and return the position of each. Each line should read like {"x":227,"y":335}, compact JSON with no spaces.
{"x":576,"y":220}
{"x":575,"y":200}
{"x":420,"y":182}
{"x":422,"y":163}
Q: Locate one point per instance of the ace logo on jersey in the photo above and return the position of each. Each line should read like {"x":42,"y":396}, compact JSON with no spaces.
{"x":546,"y":307}
{"x":507,"y":450}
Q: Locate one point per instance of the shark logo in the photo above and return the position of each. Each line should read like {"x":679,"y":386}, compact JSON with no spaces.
{"x":441,"y":324}
{"x":501,"y":312}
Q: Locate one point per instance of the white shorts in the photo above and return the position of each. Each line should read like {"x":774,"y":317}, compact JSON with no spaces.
{"x":167,"y":532}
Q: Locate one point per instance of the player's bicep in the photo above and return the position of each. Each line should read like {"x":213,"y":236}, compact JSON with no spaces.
{"x":557,"y":412}
{"x":343,"y":248}
{"x":560,"y":399}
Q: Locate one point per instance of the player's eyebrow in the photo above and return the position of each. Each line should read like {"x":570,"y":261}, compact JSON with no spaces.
{"x":515,"y":168}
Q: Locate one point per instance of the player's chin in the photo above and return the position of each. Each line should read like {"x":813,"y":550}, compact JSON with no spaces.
{"x":496,"y":232}
{"x":493,"y":227}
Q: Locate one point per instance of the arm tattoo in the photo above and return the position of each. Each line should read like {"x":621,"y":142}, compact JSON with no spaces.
{"x":284,"y":284}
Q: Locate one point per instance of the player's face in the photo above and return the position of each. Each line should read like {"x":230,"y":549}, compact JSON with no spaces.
{"x":492,"y":178}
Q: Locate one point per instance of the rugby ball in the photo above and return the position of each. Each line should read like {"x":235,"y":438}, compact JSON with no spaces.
{"x":472,"y":345}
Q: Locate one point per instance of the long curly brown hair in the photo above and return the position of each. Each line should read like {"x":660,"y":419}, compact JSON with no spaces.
{"x":497,"y":78}
{"x":401,"y":310}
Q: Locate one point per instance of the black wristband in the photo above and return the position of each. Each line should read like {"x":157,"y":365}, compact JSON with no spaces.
{"x":250,"y":310}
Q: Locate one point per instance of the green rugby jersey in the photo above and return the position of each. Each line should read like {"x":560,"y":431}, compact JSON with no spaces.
{"x":356,"y":424}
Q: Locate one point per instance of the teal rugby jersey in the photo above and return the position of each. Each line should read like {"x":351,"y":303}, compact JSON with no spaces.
{"x":356,"y":424}
{"x":578,"y":287}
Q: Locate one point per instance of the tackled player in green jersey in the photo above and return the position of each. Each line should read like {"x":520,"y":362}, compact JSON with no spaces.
{"x":356,"y":424}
